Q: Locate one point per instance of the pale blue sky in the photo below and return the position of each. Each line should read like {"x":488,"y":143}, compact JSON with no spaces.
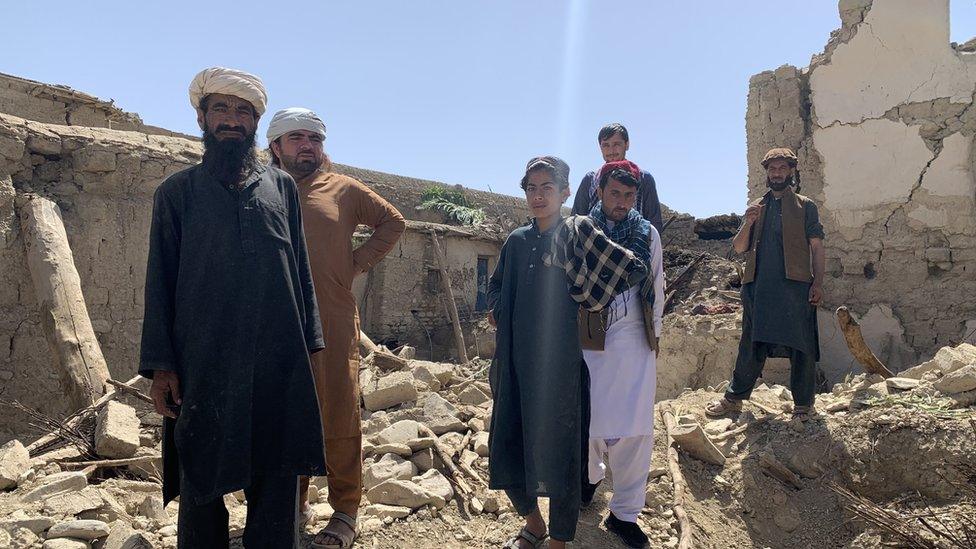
{"x":457,"y":91}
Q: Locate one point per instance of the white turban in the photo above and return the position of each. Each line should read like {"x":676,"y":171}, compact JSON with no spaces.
{"x":229,"y":82}
{"x":292,"y":119}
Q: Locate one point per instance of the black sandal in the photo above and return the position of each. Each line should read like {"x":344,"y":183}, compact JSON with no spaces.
{"x":534,"y":540}
{"x":589,"y":490}
{"x":628,"y":532}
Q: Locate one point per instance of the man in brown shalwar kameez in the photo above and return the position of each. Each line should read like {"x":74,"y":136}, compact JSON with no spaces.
{"x":333,"y":205}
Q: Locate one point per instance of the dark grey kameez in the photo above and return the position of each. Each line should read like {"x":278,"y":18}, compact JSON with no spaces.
{"x":540,"y":413}
{"x":777,"y":318}
{"x":230,"y":307}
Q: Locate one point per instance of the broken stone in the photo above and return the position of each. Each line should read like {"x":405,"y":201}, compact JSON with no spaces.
{"x":476,"y":424}
{"x":407,"y":352}
{"x":81,"y":529}
{"x":442,"y":371}
{"x":427,"y":379}
{"x":116,"y":431}
{"x":421,"y":443}
{"x":387,"y":391}
{"x":399,"y":449}
{"x":14,"y":462}
{"x":717,"y":427}
{"x":946,"y":360}
{"x":390,"y":466}
{"x":20,"y":519}
{"x":423,"y":459}
{"x":65,"y":543}
{"x":468,"y":457}
{"x":473,"y":395}
{"x":837,"y":406}
{"x":122,"y":536}
{"x":387,"y":362}
{"x":382,"y":512}
{"x":402,"y":493}
{"x":399,"y":433}
{"x":377,"y":422}
{"x":957,"y":381}
{"x":152,"y":508}
{"x":74,"y":503}
{"x":480,"y":443}
{"x":901,"y":383}
{"x":441,"y":416}
{"x":436,"y":484}
{"x":57,"y":483}
{"x":656,"y":472}
{"x":491,"y":504}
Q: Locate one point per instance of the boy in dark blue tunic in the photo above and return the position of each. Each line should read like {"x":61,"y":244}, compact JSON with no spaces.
{"x":538,"y":378}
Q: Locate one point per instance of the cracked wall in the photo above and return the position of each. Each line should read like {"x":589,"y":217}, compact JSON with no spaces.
{"x":883,"y":124}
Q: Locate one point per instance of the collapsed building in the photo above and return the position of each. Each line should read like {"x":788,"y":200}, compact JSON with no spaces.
{"x":100,"y":166}
{"x":883,"y":124}
{"x":904,"y":264}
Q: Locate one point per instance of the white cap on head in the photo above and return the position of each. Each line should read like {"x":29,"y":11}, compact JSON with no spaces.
{"x":229,"y":82}
{"x":292,"y":119}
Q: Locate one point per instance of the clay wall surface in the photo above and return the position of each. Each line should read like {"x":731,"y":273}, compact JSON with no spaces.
{"x":402,"y":295}
{"x":103,"y":181}
{"x":883,"y":125}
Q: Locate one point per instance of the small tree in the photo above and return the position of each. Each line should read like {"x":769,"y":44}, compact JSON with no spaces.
{"x":453,"y":204}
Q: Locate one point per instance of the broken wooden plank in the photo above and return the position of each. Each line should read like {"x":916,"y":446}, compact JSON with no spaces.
{"x":680,"y":487}
{"x":774,"y":468}
{"x":64,"y":315}
{"x":449,"y":296}
{"x":858,"y":347}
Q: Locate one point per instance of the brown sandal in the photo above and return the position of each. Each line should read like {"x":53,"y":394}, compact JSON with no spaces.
{"x":534,"y":540}
{"x":334,"y":531}
{"x":722,"y":407}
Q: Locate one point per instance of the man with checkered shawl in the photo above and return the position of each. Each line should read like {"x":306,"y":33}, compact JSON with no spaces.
{"x":545,"y":272}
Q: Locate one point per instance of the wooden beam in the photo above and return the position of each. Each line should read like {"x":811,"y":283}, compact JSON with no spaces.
{"x":449,"y":296}
{"x":680,"y":486}
{"x":859,"y":348}
{"x":64,"y":316}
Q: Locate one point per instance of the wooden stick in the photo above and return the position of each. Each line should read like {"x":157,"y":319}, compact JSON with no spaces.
{"x":449,"y":295}
{"x":772,"y":467}
{"x":445,"y":456}
{"x":680,"y":487}
{"x":741,"y":429}
{"x":366,"y":343}
{"x":130,"y":390}
{"x":108,"y":462}
{"x":671,"y":285}
{"x":64,"y":316}
{"x":859,"y":348}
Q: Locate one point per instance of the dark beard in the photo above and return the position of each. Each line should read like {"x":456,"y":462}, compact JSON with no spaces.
{"x":779,"y":186}
{"x":299,"y":169}
{"x":229,"y":160}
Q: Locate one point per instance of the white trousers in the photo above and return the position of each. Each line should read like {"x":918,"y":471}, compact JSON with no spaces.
{"x":629,"y":461}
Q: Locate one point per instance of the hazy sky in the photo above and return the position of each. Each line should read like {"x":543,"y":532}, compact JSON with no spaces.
{"x":456,"y":91}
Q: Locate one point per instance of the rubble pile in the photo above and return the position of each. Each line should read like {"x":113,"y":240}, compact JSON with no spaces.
{"x":755,"y":479}
{"x":701,"y":283}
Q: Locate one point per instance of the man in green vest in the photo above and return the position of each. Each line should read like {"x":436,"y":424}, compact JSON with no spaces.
{"x":782,"y":239}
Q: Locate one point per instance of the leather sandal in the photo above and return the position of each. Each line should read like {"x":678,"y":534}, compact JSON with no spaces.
{"x":534,"y":540}
{"x":333,"y":530}
{"x":722,"y":407}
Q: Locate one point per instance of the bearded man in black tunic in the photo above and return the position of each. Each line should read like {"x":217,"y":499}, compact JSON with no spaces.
{"x":782,"y":239}
{"x":230,"y":321}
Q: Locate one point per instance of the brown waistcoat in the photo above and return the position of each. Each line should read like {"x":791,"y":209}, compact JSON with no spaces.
{"x":796,"y":247}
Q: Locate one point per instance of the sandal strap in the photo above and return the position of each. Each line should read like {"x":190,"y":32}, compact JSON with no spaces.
{"x":528,"y":536}
{"x":348,"y":520}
